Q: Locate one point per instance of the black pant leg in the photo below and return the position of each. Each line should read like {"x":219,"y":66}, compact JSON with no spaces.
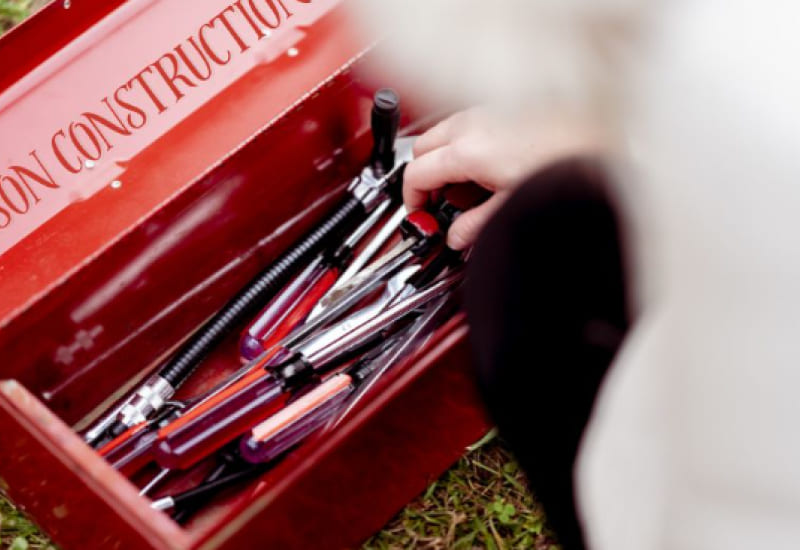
{"x":546,"y":304}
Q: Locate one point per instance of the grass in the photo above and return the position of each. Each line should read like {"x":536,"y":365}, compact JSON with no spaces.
{"x":14,"y":11}
{"x":481,"y":502}
{"x":17,"y":532}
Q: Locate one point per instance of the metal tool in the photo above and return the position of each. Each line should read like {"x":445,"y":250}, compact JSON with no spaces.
{"x":421,"y":232}
{"x":375,"y":244}
{"x":181,"y":447}
{"x":310,"y":357}
{"x":155,"y":481}
{"x":446,"y":258}
{"x":364,"y":194}
{"x":206,"y":489}
{"x":393,"y":287}
{"x":413,"y":340}
{"x":303,"y":416}
{"x":291,"y":306}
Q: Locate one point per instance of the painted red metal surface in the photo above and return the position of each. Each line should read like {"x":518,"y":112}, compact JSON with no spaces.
{"x":40,"y":112}
{"x":53,"y":27}
{"x":102,"y":289}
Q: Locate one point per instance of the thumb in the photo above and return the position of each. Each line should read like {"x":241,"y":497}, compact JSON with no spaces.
{"x":467,"y":226}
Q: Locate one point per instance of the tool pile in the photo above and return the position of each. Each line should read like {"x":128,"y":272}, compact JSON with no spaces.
{"x":324,"y":322}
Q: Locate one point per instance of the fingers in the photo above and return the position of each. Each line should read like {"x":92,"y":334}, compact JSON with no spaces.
{"x":447,"y":130}
{"x":430,"y":172}
{"x":434,"y":138}
{"x":467,"y":226}
{"x":440,"y":158}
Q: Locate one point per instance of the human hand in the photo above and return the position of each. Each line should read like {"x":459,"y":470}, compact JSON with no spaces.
{"x":492,"y":151}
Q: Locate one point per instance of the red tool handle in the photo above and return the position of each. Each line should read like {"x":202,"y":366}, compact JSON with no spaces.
{"x":205,"y":433}
{"x":258,"y":370}
{"x":301,"y":309}
{"x":218,"y":399}
{"x":132,"y":450}
{"x":291,"y":425}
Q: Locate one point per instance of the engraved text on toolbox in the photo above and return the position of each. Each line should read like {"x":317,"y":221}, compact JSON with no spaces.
{"x":128,"y":108}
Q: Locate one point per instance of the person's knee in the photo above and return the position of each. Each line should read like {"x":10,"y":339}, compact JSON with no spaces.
{"x":545,"y":283}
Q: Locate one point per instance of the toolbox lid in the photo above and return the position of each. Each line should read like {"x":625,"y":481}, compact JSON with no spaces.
{"x":121,"y":105}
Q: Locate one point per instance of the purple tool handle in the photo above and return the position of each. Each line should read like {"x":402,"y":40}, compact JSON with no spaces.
{"x":259,"y":452}
{"x":251,"y":343}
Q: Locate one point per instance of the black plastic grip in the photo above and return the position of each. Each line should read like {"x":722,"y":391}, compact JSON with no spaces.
{"x":255,"y":294}
{"x":385,"y":120}
{"x":209,"y":488}
{"x":445,"y":258}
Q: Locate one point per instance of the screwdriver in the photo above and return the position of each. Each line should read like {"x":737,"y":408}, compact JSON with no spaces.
{"x":182,"y":447}
{"x":131,"y":450}
{"x":270,"y":440}
{"x":299,"y":419}
{"x":191,"y":496}
{"x":421,"y":232}
{"x":291,"y":425}
{"x":292,"y":305}
{"x":363,"y":194}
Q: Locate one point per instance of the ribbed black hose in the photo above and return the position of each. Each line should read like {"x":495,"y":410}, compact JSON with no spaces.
{"x":258,"y":292}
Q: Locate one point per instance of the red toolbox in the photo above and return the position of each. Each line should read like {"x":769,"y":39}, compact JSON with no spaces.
{"x":155,"y":155}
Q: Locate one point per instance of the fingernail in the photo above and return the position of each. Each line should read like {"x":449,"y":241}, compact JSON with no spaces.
{"x":455,"y":242}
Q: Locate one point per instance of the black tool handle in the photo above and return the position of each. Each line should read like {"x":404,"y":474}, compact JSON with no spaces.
{"x":456,"y":199}
{"x":258,"y":291}
{"x":384,"y":121}
{"x":445,"y":258}
{"x":209,"y":488}
{"x":228,"y":462}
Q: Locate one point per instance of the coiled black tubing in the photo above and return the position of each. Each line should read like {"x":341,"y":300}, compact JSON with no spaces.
{"x":256,"y":293}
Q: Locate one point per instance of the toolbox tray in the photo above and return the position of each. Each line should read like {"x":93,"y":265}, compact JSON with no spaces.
{"x":99,"y":292}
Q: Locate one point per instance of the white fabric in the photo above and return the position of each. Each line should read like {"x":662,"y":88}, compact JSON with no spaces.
{"x":694,"y":441}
